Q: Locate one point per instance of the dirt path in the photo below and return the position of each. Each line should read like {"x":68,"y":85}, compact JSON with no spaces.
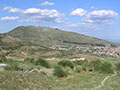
{"x":103,"y":82}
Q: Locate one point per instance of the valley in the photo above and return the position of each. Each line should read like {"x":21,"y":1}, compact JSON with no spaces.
{"x":41,"y":58}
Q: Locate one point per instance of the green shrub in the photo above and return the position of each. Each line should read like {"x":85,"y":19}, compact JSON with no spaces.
{"x":117,"y":66}
{"x":42,"y":62}
{"x":2,"y":58}
{"x":29,"y":60}
{"x":106,"y":67}
{"x":58,"y":71}
{"x":95,"y":65}
{"x":78,"y":69}
{"x":9,"y":61}
{"x":103,"y":67}
{"x":12,"y":66}
{"x":84,"y":67}
{"x":80,"y":62}
{"x":66,"y":63}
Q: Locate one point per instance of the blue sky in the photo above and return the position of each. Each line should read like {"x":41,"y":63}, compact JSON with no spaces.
{"x":97,"y":18}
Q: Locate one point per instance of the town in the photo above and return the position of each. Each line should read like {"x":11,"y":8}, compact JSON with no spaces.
{"x":96,"y":50}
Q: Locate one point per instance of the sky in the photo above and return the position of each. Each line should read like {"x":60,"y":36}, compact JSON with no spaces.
{"x":96,"y":18}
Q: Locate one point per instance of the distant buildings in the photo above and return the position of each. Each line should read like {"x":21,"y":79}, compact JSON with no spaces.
{"x":97,"y":50}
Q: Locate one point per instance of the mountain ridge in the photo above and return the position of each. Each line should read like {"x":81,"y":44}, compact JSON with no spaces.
{"x":49,"y":36}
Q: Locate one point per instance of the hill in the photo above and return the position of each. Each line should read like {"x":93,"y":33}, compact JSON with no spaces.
{"x":50,"y":36}
{"x":14,"y":47}
{"x":27,"y":41}
{"x":8,"y":42}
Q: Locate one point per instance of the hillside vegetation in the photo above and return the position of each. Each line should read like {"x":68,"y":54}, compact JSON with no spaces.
{"x":50,"y":36}
{"x":25,"y":75}
{"x":12,"y":46}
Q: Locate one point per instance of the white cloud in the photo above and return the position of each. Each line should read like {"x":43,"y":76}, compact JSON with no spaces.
{"x":72,"y":25}
{"x":83,"y":25}
{"x":92,"y":7}
{"x":11,"y":9}
{"x":101,"y":16}
{"x":42,"y":12}
{"x":38,"y":15}
{"x":7,"y":18}
{"x":60,"y":20}
{"x":46,"y":3}
{"x":78,"y":12}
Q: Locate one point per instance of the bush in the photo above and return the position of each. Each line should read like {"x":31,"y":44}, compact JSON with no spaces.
{"x":80,"y":62}
{"x":2,"y":58}
{"x":58,"y":71}
{"x":66,"y":63}
{"x":106,"y":67}
{"x":117,"y":66}
{"x":42,"y":62}
{"x":12,"y":66}
{"x":95,"y":65}
{"x":78,"y":69}
{"x":84,"y":67}
{"x":10,"y":61}
{"x":29,"y":60}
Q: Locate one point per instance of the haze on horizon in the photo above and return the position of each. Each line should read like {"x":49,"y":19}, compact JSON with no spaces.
{"x":96,"y":18}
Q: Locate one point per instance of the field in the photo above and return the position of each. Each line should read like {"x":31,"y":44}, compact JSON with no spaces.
{"x":35,"y":80}
{"x":38,"y":77}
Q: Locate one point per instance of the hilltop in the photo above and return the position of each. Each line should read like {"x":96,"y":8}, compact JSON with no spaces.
{"x":52,"y":36}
